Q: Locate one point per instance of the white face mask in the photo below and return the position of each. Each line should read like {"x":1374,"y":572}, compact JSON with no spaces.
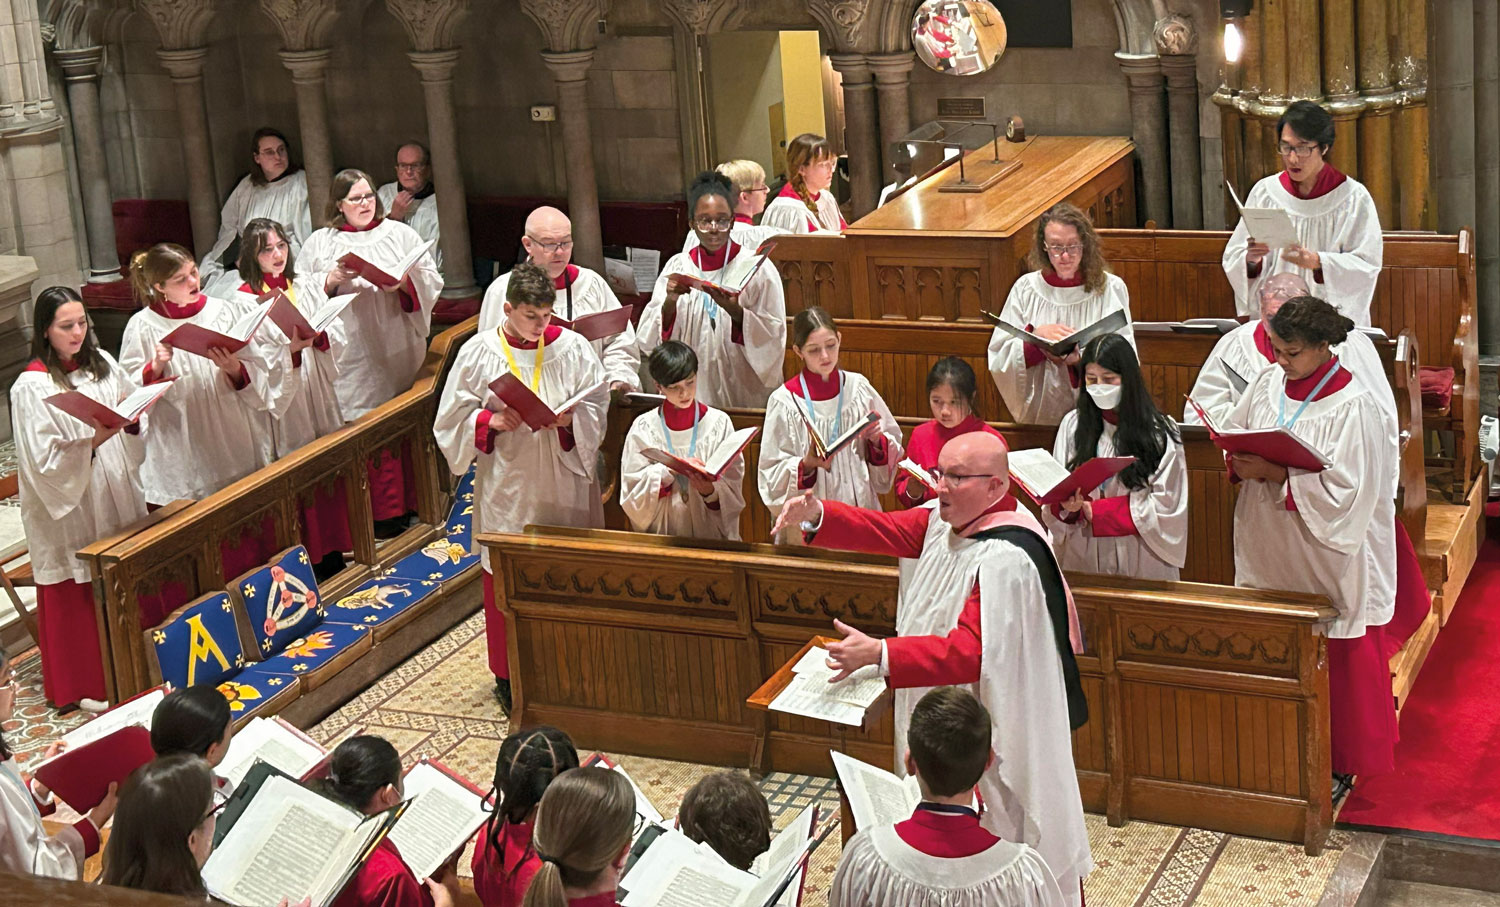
{"x":1106,"y":396}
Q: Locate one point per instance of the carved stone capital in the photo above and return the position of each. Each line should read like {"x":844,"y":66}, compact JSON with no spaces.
{"x":846,"y":23}
{"x":892,"y":68}
{"x":79,"y":24}
{"x":430,"y":24}
{"x":566,"y":24}
{"x":434,"y":65}
{"x":183,"y":64}
{"x":854,"y":68}
{"x":569,"y":66}
{"x":81,"y":65}
{"x":307,"y":65}
{"x":702,"y":17}
{"x":1175,"y":34}
{"x":182,"y":24}
{"x":1142,"y":71}
{"x":303,"y":24}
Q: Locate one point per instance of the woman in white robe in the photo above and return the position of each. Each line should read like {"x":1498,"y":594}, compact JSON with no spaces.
{"x":1339,"y":247}
{"x":77,"y":482}
{"x":655,"y":498}
{"x":750,"y":194}
{"x":275,"y":188}
{"x":806,"y":203}
{"x":1068,"y":289}
{"x":740,"y":338}
{"x":1135,"y":524}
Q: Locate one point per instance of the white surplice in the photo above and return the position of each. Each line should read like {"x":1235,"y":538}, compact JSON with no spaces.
{"x":790,"y":214}
{"x":284,"y":201}
{"x":203,"y":434}
{"x":641,"y":480}
{"x":878,"y":869}
{"x":422,"y":216}
{"x":25,"y":847}
{"x":588,"y":294}
{"x":307,"y":404}
{"x":1160,"y":513}
{"x":383,"y":345}
{"x":1343,"y":227}
{"x":730,"y":373}
{"x":1043,"y":393}
{"x":748,"y":235}
{"x":72,"y":493}
{"x":529,"y":478}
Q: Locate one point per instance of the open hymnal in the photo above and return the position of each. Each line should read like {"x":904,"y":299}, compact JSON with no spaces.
{"x":1272,"y":226}
{"x":811,"y":693}
{"x":134,"y":711}
{"x":713,"y":467}
{"x":826,"y":447}
{"x":446,"y":810}
{"x":876,"y":797}
{"x":1047,"y":481}
{"x":101,"y":415}
{"x":391,"y":274}
{"x":199,"y":340}
{"x":643,"y":806}
{"x":269,"y":740}
{"x":597,"y":326}
{"x":290,"y":842}
{"x":536,"y":414}
{"x":1109,"y":324}
{"x":1279,"y":445}
{"x":736,"y":275}
{"x":298,"y":326}
{"x":916,"y":472}
{"x":106,"y":749}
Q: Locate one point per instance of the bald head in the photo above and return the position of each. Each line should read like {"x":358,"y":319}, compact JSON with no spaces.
{"x":1278,"y":288}
{"x":549,"y":239}
{"x":977,"y":471}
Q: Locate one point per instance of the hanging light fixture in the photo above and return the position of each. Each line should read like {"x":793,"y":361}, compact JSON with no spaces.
{"x":1233,"y":13}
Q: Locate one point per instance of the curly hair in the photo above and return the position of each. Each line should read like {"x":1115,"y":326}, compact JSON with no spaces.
{"x":1092,"y":266}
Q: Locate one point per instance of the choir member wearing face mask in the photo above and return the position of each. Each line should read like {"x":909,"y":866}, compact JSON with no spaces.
{"x":275,"y":188}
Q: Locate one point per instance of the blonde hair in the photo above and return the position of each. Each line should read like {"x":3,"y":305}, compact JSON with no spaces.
{"x":583,"y":824}
{"x":156,"y":265}
{"x":743,"y":175}
{"x":1091,"y":264}
{"x":343,"y":181}
{"x":801,"y":151}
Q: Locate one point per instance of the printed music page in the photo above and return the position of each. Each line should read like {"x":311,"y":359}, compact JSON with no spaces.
{"x":442,"y":818}
{"x":876,"y":797}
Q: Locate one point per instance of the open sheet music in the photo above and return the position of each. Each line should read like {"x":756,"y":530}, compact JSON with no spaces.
{"x":736,"y":275}
{"x":876,"y":797}
{"x":812,"y":696}
{"x":133,"y":711}
{"x":128,"y":411}
{"x":533,"y":411}
{"x":1272,"y":226}
{"x":716,"y":463}
{"x":827,"y":447}
{"x":1281,"y":446}
{"x":297,"y":325}
{"x":910,"y":467}
{"x":643,"y":806}
{"x":387,"y":278}
{"x":1109,"y":324}
{"x":445,"y":812}
{"x":199,"y":340}
{"x":269,"y":740}
{"x":1047,"y":481}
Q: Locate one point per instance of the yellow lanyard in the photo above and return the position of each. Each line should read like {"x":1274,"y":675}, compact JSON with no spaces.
{"x":290,"y":292}
{"x":510,"y":358}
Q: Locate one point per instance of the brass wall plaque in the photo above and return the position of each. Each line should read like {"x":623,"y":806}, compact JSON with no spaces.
{"x":961,"y":108}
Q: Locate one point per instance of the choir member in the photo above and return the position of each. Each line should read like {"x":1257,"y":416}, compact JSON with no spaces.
{"x":942,"y":854}
{"x":214,"y":426}
{"x":832,"y":400}
{"x":77,"y":483}
{"x":655,"y":498}
{"x":196,"y":721}
{"x":1137,"y":522}
{"x":524,"y":476}
{"x":584,"y":826}
{"x":1338,"y":229}
{"x":951,"y":386}
{"x":1325,"y":532}
{"x":747,"y":180}
{"x":164,"y":828}
{"x":806,"y":204}
{"x":980,"y":571}
{"x":364,"y":774}
{"x":548,"y":241}
{"x":26,"y":848}
{"x":729,"y":813}
{"x":275,"y":188}
{"x":1068,"y":289}
{"x":505,"y":860}
{"x":740,"y":338}
{"x":411,"y":199}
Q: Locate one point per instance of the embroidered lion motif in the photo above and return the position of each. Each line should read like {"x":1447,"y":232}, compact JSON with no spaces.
{"x":376,"y":598}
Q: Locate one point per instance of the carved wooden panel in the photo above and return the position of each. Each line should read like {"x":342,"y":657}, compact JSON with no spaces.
{"x":800,"y":598}
{"x":1090,"y":742}
{"x":1245,"y":648}
{"x":617,"y":582}
{"x":815,"y":271}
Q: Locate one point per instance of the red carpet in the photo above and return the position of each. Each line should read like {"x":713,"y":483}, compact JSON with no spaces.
{"x":1447,"y":777}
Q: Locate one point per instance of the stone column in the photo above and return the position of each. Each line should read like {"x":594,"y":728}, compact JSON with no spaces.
{"x":1413,"y":162}
{"x":1453,"y":112}
{"x":860,"y":139}
{"x":185,"y":66}
{"x":1377,"y":159}
{"x":1148,"y":122}
{"x":436,"y":70}
{"x":893,"y":82}
{"x":570,"y":70}
{"x":1487,"y":169}
{"x":81,"y":70}
{"x":26,"y":37}
{"x":1181,"y":72}
{"x":309,"y":70}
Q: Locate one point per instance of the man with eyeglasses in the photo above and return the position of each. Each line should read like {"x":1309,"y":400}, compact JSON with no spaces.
{"x":983,"y":604}
{"x":1339,"y":247}
{"x":411,"y":199}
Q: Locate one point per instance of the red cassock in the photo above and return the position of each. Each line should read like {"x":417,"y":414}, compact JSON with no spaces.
{"x":385,"y":881}
{"x":72,"y":668}
{"x":943,"y":834}
{"x":927,"y":442}
{"x":501,"y":878}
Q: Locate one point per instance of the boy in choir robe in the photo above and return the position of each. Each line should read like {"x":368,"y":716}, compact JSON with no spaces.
{"x":411,"y":199}
{"x":659,"y":500}
{"x":750,"y":193}
{"x":275,"y":188}
{"x":740,"y":338}
{"x":982,"y":603}
{"x":524,"y":476}
{"x":548,"y":241}
{"x":942,"y":855}
{"x":1340,"y":248}
{"x":504,"y":857}
{"x":951,"y":386}
{"x":1067,"y":290}
{"x":727,"y":811}
{"x":806,"y":203}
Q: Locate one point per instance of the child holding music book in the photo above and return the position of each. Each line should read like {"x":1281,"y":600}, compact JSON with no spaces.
{"x":941,"y":854}
{"x":667,"y":498}
{"x":951,"y":387}
{"x":504,"y":857}
{"x":1136,"y":523}
{"x":584,"y":824}
{"x":816,"y":409}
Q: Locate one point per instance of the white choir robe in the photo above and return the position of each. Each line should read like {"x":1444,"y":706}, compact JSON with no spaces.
{"x":1340,"y":534}
{"x":642,"y":480}
{"x":25,"y":847}
{"x":72,"y":493}
{"x":1343,"y":227}
{"x":1158,"y":513}
{"x":583,"y":292}
{"x":307,"y":405}
{"x":789,"y":214}
{"x":731,"y":373}
{"x":745,"y":231}
{"x":878,"y":869}
{"x":204,"y":434}
{"x":422,"y":216}
{"x":384,"y":345}
{"x":284,"y":201}
{"x":1043,"y":393}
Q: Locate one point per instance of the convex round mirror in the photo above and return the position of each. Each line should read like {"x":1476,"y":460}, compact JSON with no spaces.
{"x":958,"y":37}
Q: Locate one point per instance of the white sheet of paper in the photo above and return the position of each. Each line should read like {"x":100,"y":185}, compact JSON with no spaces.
{"x":442,"y":818}
{"x":1037,"y":469}
{"x":876,"y":797}
{"x":137,"y":711}
{"x":785,"y":848}
{"x":646,"y":264}
{"x":269,"y":741}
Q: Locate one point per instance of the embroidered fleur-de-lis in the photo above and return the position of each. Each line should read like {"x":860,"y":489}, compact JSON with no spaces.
{"x":249,"y":590}
{"x":299,"y":668}
{"x":275,"y":682}
{"x":224,"y":606}
{"x":371,"y":619}
{"x":302,"y":557}
{"x":158,"y":637}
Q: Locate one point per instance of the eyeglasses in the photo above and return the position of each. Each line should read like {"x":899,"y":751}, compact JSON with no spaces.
{"x":716,"y":225}
{"x":278,"y":151}
{"x":550,"y":247}
{"x":640,"y":825}
{"x":1068,"y":251}
{"x":360,"y":199}
{"x":410,"y":168}
{"x":953,"y":478}
{"x":1297,"y":151}
{"x":759,"y":189}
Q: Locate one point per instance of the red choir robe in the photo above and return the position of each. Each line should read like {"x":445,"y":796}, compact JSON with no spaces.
{"x":501,"y":877}
{"x":926,"y":443}
{"x":385,"y":881}
{"x":606,"y":899}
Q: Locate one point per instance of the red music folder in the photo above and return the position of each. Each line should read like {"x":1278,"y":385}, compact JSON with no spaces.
{"x":538,"y":415}
{"x":198,"y":340}
{"x":296,"y":325}
{"x":381,"y":277}
{"x":717,"y":462}
{"x":736,"y":275}
{"x":597,"y":326}
{"x":1047,"y":481}
{"x":127,"y":412}
{"x":81,"y":777}
{"x":1279,"y":445}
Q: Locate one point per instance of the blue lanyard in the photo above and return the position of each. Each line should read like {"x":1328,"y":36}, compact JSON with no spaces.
{"x":838,"y":418}
{"x":1281,"y":418}
{"x":711,"y":308}
{"x":948,"y":809}
{"x":679,"y":480}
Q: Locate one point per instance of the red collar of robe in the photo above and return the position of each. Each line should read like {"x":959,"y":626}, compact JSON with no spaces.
{"x":820,"y":388}
{"x":269,"y":283}
{"x":607,"y":899}
{"x":681,"y":419}
{"x":566,"y":278}
{"x":1328,"y":179}
{"x":1054,"y":281}
{"x":1301,"y":387}
{"x":171,"y":310}
{"x":970,"y":423}
{"x":551,"y":333}
{"x":1111,"y":416}
{"x":350,"y":228}
{"x":941,"y":834}
{"x":743,"y":219}
{"x":713,"y":261}
{"x":37,"y":365}
{"x":1263,"y":342}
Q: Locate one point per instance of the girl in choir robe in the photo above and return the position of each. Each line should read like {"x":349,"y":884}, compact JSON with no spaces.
{"x":1339,"y":247}
{"x":1068,"y":289}
{"x":275,"y":188}
{"x":26,"y":848}
{"x":524,"y":476}
{"x":196,"y":721}
{"x":805,"y":204}
{"x":833,"y":400}
{"x":77,"y":483}
{"x":1325,"y":532}
{"x":584,"y":825}
{"x":1137,"y":522}
{"x":750,"y":193}
{"x":164,"y":828}
{"x":214,"y":426}
{"x":504,"y":857}
{"x":740,"y":338}
{"x":951,"y":386}
{"x":655,"y":498}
